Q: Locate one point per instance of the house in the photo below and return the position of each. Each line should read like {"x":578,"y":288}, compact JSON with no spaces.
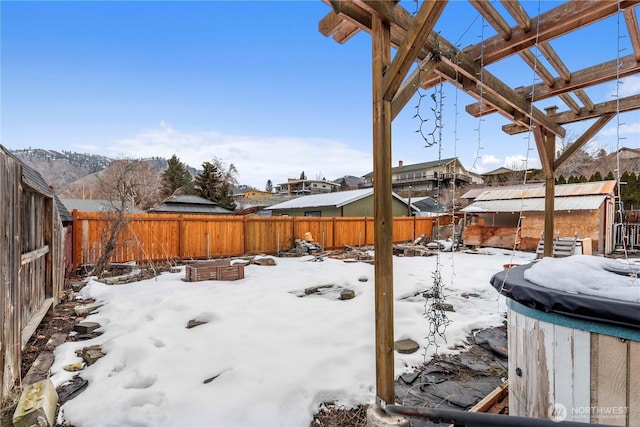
{"x":304,"y":187}
{"x":256,"y":194}
{"x":95,"y":205}
{"x":427,"y":206}
{"x":187,"y":204}
{"x":426,"y":176}
{"x":353,"y":203}
{"x":587,"y":209}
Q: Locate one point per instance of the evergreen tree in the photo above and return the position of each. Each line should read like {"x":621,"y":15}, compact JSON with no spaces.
{"x":633,"y":191}
{"x":175,"y":177}
{"x":609,"y":176}
{"x":343,"y":185}
{"x":207,"y":182}
{"x":225,"y":196}
{"x":583,"y":179}
{"x":597,"y":176}
{"x":269,"y":187}
{"x":561,"y":180}
{"x":303,"y":176}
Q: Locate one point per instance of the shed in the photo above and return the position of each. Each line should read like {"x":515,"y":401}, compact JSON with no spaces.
{"x":32,"y":259}
{"x":353,"y":203}
{"x":187,"y":204}
{"x":585,"y":208}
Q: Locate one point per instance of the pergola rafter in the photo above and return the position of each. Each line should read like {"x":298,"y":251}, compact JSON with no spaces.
{"x":392,"y":26}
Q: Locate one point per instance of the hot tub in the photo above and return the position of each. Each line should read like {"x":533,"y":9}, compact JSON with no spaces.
{"x":573,"y":357}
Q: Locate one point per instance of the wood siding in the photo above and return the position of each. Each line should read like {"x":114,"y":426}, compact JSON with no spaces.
{"x":32,"y":263}
{"x":594,"y":377}
{"x":162,"y":237}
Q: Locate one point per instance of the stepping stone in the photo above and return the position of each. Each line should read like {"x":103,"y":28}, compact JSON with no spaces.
{"x":55,"y":340}
{"x":407,"y":346}
{"x":39,"y":369}
{"x":90,"y":355}
{"x":37,"y":405}
{"x":86,"y":327}
{"x":347,"y":294}
{"x":71,"y":389}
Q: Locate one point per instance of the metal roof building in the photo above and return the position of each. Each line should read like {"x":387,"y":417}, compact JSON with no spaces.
{"x":584,"y":208}
{"x":188,"y":204}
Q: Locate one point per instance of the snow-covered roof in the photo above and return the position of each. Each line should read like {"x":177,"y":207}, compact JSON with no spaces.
{"x":573,"y":203}
{"x":335,"y":199}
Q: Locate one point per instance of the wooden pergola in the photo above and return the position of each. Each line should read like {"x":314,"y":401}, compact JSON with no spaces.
{"x":395,"y":81}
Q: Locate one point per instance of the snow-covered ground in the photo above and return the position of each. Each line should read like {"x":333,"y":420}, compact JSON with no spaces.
{"x":275,"y":356}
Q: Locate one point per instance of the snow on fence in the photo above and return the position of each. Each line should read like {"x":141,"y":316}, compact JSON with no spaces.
{"x":161,"y":237}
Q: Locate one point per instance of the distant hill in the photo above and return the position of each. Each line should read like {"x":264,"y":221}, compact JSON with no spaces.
{"x":72,"y":173}
{"x":60,"y":168}
{"x":353,"y":182}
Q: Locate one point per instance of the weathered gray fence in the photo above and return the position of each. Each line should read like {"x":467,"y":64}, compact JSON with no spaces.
{"x":32,"y":258}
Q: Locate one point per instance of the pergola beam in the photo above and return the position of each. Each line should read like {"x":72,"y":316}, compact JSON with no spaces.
{"x":634,"y":33}
{"x":416,"y":36}
{"x":569,"y":16}
{"x":409,"y":87}
{"x":383,"y":214}
{"x":495,"y":20}
{"x":583,"y":139}
{"x":629,"y":103}
{"x":460,"y":62}
{"x":590,"y":76}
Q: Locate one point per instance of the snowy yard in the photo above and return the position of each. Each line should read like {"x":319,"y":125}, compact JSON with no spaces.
{"x":267,"y":356}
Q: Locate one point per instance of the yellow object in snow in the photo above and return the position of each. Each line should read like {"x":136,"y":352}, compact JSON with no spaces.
{"x":308,"y":237}
{"x":74,"y":367}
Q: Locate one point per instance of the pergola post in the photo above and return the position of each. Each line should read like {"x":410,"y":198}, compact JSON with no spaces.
{"x":383,"y":214}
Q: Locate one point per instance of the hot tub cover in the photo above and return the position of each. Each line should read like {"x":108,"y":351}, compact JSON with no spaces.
{"x":512,"y":284}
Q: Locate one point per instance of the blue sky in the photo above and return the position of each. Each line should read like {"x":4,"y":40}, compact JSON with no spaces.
{"x":251,"y":83}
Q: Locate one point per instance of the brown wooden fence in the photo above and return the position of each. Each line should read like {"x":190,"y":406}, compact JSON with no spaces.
{"x":162,"y":237}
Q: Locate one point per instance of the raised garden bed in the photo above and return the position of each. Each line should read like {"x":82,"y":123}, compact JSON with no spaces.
{"x":214,"y":270}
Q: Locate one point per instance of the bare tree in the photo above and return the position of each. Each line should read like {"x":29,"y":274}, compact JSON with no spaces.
{"x":125,"y":184}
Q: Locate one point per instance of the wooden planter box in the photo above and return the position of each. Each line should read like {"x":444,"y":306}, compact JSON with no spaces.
{"x":214,"y":270}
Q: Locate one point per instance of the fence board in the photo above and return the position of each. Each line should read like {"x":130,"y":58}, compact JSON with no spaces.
{"x":161,"y":237}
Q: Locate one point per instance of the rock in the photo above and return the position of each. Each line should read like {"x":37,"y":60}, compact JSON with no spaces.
{"x":77,"y":286}
{"x":406,"y":346}
{"x":56,"y":339}
{"x":86,"y":327}
{"x":91,"y":354}
{"x":193,"y":323}
{"x":37,"y":405}
{"x":71,"y":389}
{"x":447,"y":307}
{"x":83,"y":310}
{"x":208,"y":380}
{"x":471,"y":294}
{"x":310,"y":291}
{"x":264,"y":261}
{"x":363,"y":279}
{"x":347,"y":294}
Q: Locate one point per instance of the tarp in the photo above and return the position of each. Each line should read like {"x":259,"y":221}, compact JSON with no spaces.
{"x":512,"y":284}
